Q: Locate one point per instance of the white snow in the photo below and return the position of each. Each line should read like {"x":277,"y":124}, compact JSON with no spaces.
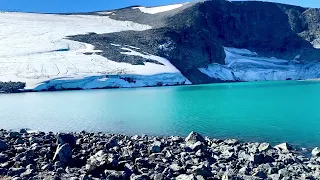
{"x":159,"y":9}
{"x":35,"y":50}
{"x":244,"y":65}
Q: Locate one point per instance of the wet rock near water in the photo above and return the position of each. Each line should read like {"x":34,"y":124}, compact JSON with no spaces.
{"x":86,"y":155}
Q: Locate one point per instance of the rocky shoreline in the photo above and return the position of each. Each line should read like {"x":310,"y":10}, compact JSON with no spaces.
{"x":84,"y":155}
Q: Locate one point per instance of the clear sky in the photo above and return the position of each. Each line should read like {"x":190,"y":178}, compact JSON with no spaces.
{"x":54,"y":6}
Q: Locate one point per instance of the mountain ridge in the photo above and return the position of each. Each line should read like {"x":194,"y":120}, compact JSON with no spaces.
{"x":207,"y":42}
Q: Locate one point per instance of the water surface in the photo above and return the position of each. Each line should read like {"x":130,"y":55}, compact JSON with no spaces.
{"x":260,"y":111}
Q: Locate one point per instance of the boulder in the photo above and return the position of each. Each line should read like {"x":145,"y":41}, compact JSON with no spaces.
{"x":115,"y":175}
{"x":156,"y":147}
{"x":202,"y":170}
{"x":231,"y":141}
{"x":264,"y":147}
{"x":3,"y":145}
{"x":23,"y":131}
{"x":196,"y":146}
{"x":64,"y":138}
{"x":186,"y":177}
{"x":100,"y":161}
{"x":260,"y":174}
{"x":316,"y":152}
{"x":194,"y":137}
{"x":19,"y":141}
{"x":284,"y":147}
{"x":112,"y":142}
{"x":63,"y":154}
{"x":3,"y":158}
{"x":14,"y":134}
{"x":3,"y":171}
{"x":16,"y":171}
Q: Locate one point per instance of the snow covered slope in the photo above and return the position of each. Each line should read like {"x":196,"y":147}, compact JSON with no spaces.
{"x":244,"y":65}
{"x":159,"y":9}
{"x":35,"y":50}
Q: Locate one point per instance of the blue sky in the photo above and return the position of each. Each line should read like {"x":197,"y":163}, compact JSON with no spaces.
{"x":54,"y":6}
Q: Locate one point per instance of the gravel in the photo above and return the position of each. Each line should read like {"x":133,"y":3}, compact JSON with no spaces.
{"x":86,"y":155}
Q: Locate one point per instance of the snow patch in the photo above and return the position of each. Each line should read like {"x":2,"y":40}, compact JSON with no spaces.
{"x":35,"y":50}
{"x":159,"y":9}
{"x":244,"y":65}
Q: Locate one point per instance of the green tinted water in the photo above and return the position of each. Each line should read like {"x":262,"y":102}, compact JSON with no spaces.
{"x":262,"y":111}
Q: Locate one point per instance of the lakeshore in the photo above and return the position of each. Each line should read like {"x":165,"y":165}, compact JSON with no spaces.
{"x":84,"y":155}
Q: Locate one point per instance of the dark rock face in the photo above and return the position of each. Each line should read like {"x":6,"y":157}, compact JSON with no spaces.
{"x":194,"y":35}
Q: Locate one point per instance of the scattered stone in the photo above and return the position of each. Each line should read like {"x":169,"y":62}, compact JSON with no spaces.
{"x":14,"y":134}
{"x":231,"y":141}
{"x":63,"y":154}
{"x":203,"y":171}
{"x":23,"y":131}
{"x":156,"y":147}
{"x":264,"y":147}
{"x":284,"y":147}
{"x":16,"y":171}
{"x":316,"y":152}
{"x":104,"y":156}
{"x":194,"y":137}
{"x":3,"y":145}
{"x":186,"y":177}
{"x":66,"y":139}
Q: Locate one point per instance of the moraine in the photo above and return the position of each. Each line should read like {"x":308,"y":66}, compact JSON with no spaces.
{"x":275,"y":112}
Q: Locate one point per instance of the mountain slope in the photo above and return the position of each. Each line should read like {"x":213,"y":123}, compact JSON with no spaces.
{"x":203,"y":42}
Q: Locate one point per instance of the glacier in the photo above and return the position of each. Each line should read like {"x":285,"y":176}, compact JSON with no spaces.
{"x":36,"y":50}
{"x":244,"y":65}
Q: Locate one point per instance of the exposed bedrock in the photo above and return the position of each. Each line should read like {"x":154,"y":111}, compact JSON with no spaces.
{"x":194,"y":35}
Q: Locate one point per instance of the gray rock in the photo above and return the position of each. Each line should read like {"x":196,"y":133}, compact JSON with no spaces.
{"x":202,"y":170}
{"x":23,"y":131}
{"x":139,"y":177}
{"x":31,"y":166}
{"x":231,"y":141}
{"x":47,"y":167}
{"x":35,"y":140}
{"x":186,"y":177}
{"x":19,"y":141}
{"x":14,"y":134}
{"x":196,"y":146}
{"x":175,"y":167}
{"x":194,"y":137}
{"x":274,"y":177}
{"x":60,"y":170}
{"x":64,"y":138}
{"x":264,"y":147}
{"x":3,"y":171}
{"x":158,"y":176}
{"x":28,"y":173}
{"x":113,"y":141}
{"x":283,"y":173}
{"x":284,"y":147}
{"x":3,"y":158}
{"x":316,"y":152}
{"x":16,"y":171}
{"x":63,"y":154}
{"x":3,"y":145}
{"x":100,"y":161}
{"x":156,"y":147}
{"x":115,"y":175}
{"x":260,"y":174}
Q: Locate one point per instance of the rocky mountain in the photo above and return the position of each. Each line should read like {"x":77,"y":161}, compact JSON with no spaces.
{"x":199,"y":42}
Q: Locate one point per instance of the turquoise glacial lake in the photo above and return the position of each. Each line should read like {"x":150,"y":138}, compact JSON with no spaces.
{"x":272,"y":112}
